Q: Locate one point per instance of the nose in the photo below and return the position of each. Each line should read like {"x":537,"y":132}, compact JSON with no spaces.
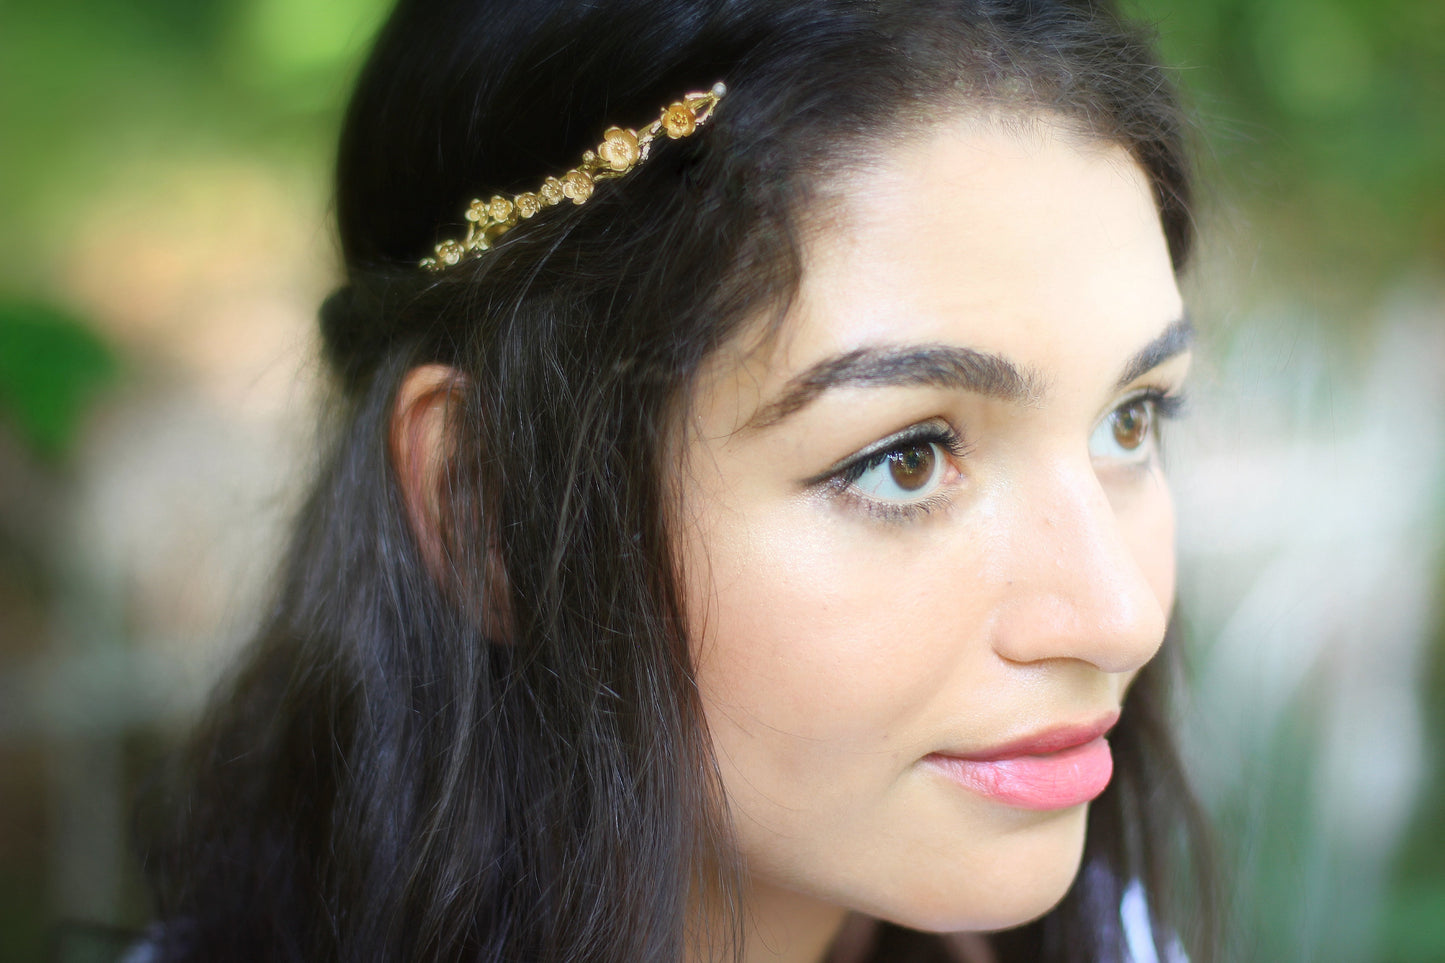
{"x":1084,"y":578}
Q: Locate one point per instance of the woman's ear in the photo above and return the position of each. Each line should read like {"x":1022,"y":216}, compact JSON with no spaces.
{"x":423,"y":444}
{"x":421,"y":450}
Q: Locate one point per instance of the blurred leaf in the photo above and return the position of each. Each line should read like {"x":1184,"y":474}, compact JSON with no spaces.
{"x":1415,"y":924}
{"x":1325,"y":114}
{"x":51,"y":367}
{"x":1316,"y":60}
{"x":301,"y":39}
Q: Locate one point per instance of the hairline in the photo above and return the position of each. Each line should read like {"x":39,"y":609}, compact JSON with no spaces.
{"x":825,"y":195}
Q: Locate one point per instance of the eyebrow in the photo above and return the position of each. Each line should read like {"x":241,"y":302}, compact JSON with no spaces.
{"x":1174,"y":340}
{"x":950,"y":367}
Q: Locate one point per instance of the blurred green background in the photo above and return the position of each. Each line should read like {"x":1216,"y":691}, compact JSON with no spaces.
{"x":164,"y":241}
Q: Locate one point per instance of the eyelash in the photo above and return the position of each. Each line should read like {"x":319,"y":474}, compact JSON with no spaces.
{"x":840,"y":481}
{"x":1166,"y":405}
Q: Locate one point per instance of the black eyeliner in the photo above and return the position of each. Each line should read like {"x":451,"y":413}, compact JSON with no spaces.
{"x":928,"y":432}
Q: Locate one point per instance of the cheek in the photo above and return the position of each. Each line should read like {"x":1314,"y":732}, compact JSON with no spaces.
{"x":1148,"y":527}
{"x":823,"y":632}
{"x":827,"y":654}
{"x":821,"y":651}
{"x":1147,"y":524}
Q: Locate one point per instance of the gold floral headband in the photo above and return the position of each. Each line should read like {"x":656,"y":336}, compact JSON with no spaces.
{"x":620,"y":151}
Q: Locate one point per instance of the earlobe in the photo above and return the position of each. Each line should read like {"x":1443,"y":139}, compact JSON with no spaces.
{"x":421,"y":448}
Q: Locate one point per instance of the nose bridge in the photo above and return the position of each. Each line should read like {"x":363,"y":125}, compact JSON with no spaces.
{"x":1076,"y":588}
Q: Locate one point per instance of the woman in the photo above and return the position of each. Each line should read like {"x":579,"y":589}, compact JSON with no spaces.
{"x":747,"y":553}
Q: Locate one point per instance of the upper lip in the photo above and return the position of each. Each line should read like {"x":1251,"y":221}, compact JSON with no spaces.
{"x":1044,"y":741}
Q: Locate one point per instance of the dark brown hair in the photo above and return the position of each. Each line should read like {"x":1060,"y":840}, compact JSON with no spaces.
{"x":381,"y":780}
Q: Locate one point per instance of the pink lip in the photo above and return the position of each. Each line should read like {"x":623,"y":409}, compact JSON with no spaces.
{"x":1054,"y":769}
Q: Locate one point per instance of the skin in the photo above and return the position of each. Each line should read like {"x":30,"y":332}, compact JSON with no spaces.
{"x":841,"y":636}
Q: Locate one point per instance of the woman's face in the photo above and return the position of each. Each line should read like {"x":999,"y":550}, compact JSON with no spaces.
{"x":926,"y":537}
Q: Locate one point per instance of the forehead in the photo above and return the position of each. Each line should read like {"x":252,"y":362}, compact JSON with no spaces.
{"x":1020,"y":239}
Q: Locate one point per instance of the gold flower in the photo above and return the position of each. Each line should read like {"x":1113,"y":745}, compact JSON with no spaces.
{"x":499,"y":208}
{"x":450,"y":252}
{"x":577,"y":186}
{"x":618,"y":149}
{"x":678,"y":120}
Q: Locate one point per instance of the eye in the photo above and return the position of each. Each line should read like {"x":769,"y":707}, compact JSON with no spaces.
{"x":908,"y":472}
{"x":901,"y":477}
{"x":1130,"y":433}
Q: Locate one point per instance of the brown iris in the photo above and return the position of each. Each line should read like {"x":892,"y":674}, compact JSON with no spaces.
{"x":911,"y":467}
{"x":1131,"y":425}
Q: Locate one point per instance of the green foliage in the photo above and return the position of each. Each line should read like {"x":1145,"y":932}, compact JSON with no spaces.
{"x":51,"y":368}
{"x":301,"y":46}
{"x":92,"y":90}
{"x":1413,"y":930}
{"x":1414,"y":927}
{"x":1324,"y":120}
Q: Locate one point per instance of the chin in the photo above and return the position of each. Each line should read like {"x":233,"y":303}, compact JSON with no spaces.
{"x":1027,"y":879}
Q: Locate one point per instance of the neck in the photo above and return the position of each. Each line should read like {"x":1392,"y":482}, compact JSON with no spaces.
{"x":777,"y":926}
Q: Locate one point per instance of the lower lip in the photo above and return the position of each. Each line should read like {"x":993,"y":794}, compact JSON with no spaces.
{"x":1055,"y":780}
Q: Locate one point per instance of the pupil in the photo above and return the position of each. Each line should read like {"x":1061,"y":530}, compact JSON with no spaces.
{"x":911,"y":467}
{"x":1131,"y":424}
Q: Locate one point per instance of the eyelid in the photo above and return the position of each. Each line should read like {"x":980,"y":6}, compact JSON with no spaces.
{"x":1168,"y":402}
{"x":934,"y":430}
